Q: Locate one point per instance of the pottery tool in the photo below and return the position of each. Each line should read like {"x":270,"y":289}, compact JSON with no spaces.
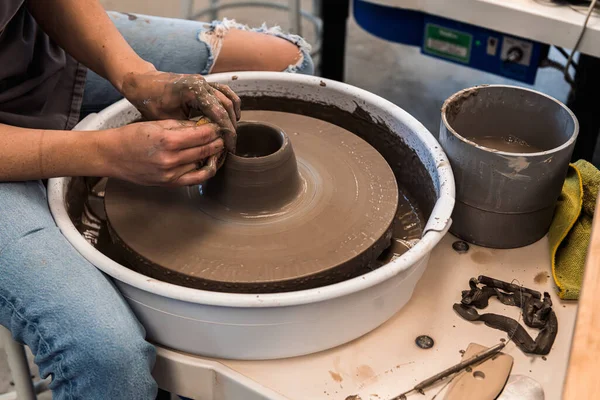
{"x":303,"y":203}
{"x":420,"y":387}
{"x":484,"y":381}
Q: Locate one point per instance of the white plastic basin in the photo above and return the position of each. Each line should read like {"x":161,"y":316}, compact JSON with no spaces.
{"x":269,"y":326}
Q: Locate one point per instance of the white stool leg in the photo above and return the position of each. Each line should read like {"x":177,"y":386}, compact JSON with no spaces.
{"x":19,"y":367}
{"x":295,"y":18}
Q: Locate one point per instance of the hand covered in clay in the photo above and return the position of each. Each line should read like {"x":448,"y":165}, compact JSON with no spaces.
{"x":162,"y":95}
{"x":163,"y":153}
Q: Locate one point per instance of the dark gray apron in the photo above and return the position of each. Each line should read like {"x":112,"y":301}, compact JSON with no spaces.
{"x":40,"y":85}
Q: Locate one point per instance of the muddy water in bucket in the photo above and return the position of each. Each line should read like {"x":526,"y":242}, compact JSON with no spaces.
{"x":509,"y":143}
{"x":509,"y":148}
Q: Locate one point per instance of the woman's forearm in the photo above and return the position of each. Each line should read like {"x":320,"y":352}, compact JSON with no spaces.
{"x":85,"y":31}
{"x":27,"y":154}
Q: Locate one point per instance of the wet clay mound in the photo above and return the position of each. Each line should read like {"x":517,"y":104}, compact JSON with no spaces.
{"x":305,"y":203}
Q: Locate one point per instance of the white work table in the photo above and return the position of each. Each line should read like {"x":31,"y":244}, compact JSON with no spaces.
{"x":541,"y":20}
{"x":386,"y":361}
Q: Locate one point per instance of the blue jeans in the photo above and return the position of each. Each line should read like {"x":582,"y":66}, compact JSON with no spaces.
{"x":181,"y":46}
{"x":70,"y":314}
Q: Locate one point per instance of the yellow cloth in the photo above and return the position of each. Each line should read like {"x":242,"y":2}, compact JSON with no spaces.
{"x":570,"y":231}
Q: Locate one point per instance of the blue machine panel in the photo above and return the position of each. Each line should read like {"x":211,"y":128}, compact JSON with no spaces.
{"x":453,"y":41}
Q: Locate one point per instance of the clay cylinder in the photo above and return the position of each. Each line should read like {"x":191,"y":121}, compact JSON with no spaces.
{"x":506,"y":193}
{"x":263,"y":174}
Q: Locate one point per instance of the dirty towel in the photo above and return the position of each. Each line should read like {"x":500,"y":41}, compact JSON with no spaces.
{"x":571,"y":227}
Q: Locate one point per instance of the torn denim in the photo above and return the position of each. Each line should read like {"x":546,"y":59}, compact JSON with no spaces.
{"x":214,"y":33}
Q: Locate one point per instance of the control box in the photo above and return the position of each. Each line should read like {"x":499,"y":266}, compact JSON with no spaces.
{"x":469,"y":45}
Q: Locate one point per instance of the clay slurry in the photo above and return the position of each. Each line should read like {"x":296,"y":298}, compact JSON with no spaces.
{"x":509,"y":144}
{"x":333,"y":227}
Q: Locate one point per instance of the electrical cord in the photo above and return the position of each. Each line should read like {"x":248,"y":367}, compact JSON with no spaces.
{"x":548,"y":63}
{"x":581,"y":34}
{"x":566,"y":56}
{"x":581,"y":7}
{"x":569,"y":56}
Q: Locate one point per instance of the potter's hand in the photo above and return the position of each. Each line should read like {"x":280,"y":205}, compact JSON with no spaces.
{"x":163,"y":153}
{"x":162,"y":95}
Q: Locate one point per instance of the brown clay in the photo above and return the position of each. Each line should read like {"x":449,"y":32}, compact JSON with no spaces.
{"x":315,"y":211}
{"x":262,"y":177}
{"x":410,"y":172}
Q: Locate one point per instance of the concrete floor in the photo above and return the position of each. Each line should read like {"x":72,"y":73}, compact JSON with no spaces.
{"x":398,"y":73}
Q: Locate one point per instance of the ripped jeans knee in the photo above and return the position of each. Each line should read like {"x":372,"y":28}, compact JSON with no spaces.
{"x":180,"y":46}
{"x":214,"y":33}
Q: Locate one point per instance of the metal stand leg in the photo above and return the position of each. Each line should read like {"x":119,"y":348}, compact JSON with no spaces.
{"x":583,"y":101}
{"x":19,"y":368}
{"x":333,"y":42}
{"x":214,"y":9}
{"x":187,"y":8}
{"x":316,"y":8}
{"x":295,"y":19}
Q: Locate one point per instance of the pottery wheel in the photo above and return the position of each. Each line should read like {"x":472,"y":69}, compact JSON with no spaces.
{"x":319,"y":209}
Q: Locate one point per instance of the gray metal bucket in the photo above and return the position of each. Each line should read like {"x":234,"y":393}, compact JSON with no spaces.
{"x":506,"y":199}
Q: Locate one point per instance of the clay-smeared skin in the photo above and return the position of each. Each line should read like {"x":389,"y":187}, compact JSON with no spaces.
{"x":163,"y":95}
{"x":339,"y":223}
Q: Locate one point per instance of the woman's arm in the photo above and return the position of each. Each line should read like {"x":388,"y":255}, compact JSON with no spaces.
{"x":85,"y":31}
{"x":161,"y":153}
{"x":28,"y":154}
